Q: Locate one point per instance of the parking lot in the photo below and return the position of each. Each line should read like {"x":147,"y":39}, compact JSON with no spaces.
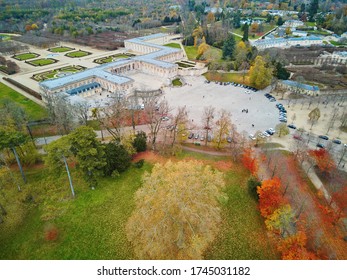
{"x":196,"y":94}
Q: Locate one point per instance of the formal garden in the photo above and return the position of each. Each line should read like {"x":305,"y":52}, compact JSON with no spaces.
{"x":77,"y":54}
{"x":113,"y":57}
{"x":60,"y":49}
{"x":57,"y":73}
{"x":42,"y":61}
{"x":25,"y":56}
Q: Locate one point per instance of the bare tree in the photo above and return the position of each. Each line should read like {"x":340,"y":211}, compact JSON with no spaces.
{"x":82,"y":111}
{"x":223,"y":126}
{"x":114,"y":116}
{"x":332,"y":119}
{"x":60,"y":111}
{"x":179,"y":123}
{"x":207,"y":120}
{"x":156,"y":112}
{"x":314,"y":116}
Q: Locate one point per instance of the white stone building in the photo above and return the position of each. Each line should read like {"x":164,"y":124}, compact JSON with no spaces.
{"x":287,"y":43}
{"x":155,"y":59}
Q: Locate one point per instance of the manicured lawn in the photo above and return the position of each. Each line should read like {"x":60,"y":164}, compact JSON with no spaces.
{"x":77,"y":54}
{"x":25,"y":56}
{"x":177,"y":83}
{"x":310,"y":24}
{"x":227,"y":77}
{"x":34,"y":111}
{"x":173,"y":45}
{"x":60,"y":49}
{"x":318,"y":32}
{"x":267,"y":28}
{"x":42,"y":61}
{"x":336,"y":44}
{"x":91,"y":226}
{"x":192,"y":52}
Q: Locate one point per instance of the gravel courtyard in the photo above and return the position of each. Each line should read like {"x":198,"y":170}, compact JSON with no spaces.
{"x":197,"y":94}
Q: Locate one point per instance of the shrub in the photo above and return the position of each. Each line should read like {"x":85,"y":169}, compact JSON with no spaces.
{"x":252,"y":185}
{"x":117,"y":158}
{"x":140,"y":142}
{"x":139,"y":163}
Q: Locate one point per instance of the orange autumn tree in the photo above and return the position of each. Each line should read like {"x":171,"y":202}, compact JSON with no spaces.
{"x":249,"y":161}
{"x":337,"y":207}
{"x":270,"y":196}
{"x":294,"y":248}
{"x":323,"y":159}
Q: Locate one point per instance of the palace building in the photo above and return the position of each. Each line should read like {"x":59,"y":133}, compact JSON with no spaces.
{"x":153,"y":58}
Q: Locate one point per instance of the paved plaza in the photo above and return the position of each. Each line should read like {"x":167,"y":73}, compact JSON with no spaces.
{"x":197,"y":94}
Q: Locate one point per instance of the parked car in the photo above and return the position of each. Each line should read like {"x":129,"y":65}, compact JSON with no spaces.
{"x":229,"y":139}
{"x":266,"y":134}
{"x":251,"y":136}
{"x":209,"y":138}
{"x":321,"y":146}
{"x":297,"y":137}
{"x":292,"y":126}
{"x":323,"y":137}
{"x":196,"y":136}
{"x":191,"y":135}
{"x":337,"y":141}
{"x":202,"y":138}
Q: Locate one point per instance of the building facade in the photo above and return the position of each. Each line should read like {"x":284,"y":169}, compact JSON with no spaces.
{"x":154,"y":59}
{"x":287,"y":42}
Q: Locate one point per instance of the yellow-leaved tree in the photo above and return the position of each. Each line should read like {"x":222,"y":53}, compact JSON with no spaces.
{"x":177,"y":211}
{"x":260,"y":74}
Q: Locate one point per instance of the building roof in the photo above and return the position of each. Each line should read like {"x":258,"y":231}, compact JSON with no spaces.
{"x":300,"y":85}
{"x":280,"y":41}
{"x":83,"y":88}
{"x":102,"y":70}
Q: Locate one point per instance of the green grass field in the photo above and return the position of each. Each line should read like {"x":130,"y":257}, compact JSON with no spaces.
{"x":173,"y":45}
{"x":42,"y":61}
{"x":176,"y":82}
{"x":91,"y":226}
{"x":60,"y":49}
{"x":192,"y":52}
{"x":310,"y":24}
{"x":34,"y":111}
{"x":336,"y":44}
{"x":25,"y":56}
{"x":77,"y":54}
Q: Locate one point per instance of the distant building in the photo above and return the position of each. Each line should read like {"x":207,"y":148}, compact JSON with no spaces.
{"x":293,"y":23}
{"x":299,"y":87}
{"x":335,"y":58}
{"x":287,"y":43}
{"x":299,"y":33}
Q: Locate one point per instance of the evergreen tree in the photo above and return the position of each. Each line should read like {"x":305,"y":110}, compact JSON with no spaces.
{"x":229,"y":47}
{"x":117,"y":158}
{"x":245,"y":29}
{"x":281,"y":72}
{"x":313,"y":10}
